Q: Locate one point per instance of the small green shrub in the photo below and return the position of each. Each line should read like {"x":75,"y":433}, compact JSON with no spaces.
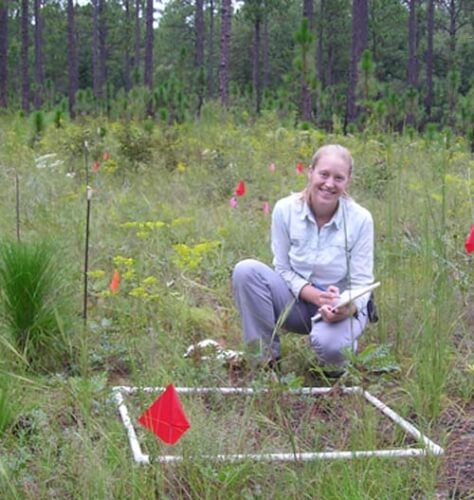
{"x":33,"y":303}
{"x":135,"y":145}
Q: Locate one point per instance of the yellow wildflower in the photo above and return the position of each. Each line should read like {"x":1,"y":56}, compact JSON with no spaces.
{"x":138,"y":292}
{"x":150,"y":281}
{"x":143,"y":234}
{"x":119,"y":260}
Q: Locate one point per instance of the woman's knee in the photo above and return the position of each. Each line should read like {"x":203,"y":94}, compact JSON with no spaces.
{"x":243,"y":271}
{"x":329,"y":346}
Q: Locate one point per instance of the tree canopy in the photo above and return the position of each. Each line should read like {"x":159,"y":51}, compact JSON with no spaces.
{"x":312,"y":59}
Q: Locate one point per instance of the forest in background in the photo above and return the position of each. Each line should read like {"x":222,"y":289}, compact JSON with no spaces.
{"x":333,"y":64}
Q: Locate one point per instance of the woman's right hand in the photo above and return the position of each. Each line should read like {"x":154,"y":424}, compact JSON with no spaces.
{"x":320,"y":297}
{"x":328,"y":297}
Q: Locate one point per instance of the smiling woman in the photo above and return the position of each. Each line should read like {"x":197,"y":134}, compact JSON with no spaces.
{"x":322,"y":244}
{"x":329,"y":177}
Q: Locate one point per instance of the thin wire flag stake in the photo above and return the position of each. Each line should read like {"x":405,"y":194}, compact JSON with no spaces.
{"x":88,"y":217}
{"x":86,"y":251}
{"x":17,"y":205}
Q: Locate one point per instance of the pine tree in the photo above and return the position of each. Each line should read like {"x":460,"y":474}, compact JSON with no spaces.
{"x":360,"y":20}
{"x":226,"y":26}
{"x":3,"y":52}
{"x":39,"y":54}
{"x":210,"y":51}
{"x":72,"y":58}
{"x":304,"y":40}
{"x":25,"y":43}
{"x":429,"y":58}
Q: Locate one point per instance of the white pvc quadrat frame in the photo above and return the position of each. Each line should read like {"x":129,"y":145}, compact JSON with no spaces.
{"x":429,"y":447}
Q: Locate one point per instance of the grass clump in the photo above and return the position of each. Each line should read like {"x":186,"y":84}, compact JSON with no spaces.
{"x":33,"y":303}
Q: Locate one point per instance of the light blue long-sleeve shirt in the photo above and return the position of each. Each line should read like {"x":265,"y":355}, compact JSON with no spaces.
{"x":340,"y":253}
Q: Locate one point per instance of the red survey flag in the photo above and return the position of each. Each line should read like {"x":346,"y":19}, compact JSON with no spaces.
{"x":299,"y":168}
{"x":96,"y":166}
{"x":115,"y":283}
{"x":469,"y":245}
{"x":240,"y":189}
{"x":166,"y":417}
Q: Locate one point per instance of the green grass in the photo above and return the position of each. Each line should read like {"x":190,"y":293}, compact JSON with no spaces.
{"x":155,"y":218}
{"x":33,"y":298}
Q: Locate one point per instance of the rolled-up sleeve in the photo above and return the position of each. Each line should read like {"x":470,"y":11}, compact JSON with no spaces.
{"x":281,"y":248}
{"x":362,"y":259}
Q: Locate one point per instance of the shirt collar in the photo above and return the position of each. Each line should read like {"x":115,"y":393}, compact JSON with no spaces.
{"x":337,"y":218}
{"x":306,"y":213}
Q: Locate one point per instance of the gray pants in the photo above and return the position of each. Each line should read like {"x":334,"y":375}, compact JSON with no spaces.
{"x":266,"y":304}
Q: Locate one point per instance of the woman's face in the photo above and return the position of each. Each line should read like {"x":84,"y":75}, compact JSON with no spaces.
{"x":327,"y":181}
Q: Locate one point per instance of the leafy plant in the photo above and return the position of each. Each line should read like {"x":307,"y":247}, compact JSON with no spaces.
{"x":135,"y":145}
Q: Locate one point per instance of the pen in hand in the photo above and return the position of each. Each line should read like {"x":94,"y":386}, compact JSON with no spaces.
{"x":329,"y":295}
{"x":329,"y":298}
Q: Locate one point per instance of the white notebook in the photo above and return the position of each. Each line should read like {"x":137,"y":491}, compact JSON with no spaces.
{"x":347,"y":296}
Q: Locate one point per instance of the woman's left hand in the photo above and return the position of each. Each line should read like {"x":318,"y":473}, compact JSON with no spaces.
{"x":333,"y":315}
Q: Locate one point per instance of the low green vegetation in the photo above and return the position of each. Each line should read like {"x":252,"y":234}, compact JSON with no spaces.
{"x":161,"y":217}
{"x":34,"y":296}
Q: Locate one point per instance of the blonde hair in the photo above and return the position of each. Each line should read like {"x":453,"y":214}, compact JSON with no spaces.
{"x":337,"y":149}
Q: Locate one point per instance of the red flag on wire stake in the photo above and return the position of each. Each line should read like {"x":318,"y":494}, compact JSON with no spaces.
{"x":115,"y":283}
{"x":469,"y":244}
{"x":240,"y":189}
{"x":299,"y":168}
{"x":166,"y":417}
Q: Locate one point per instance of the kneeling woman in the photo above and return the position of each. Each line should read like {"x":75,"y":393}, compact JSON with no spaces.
{"x":322,"y":244}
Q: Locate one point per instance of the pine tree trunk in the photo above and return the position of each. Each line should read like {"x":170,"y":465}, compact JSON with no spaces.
{"x":96,"y":85}
{"x":319,"y":49}
{"x":199,"y":34}
{"x":3,"y":53}
{"x":453,"y":13}
{"x":148,"y":69}
{"x":257,"y":85}
{"x":306,"y":105}
{"x":308,"y":12}
{"x":25,"y":42}
{"x":72,"y":59}
{"x":305,"y":40}
{"x":210,"y":52}
{"x":126,"y":57}
{"x":39,"y":57}
{"x":199,"y":53}
{"x":412,"y":68}
{"x":266,"y":54}
{"x":412,"y":65}
{"x":137,"y":43}
{"x":360,"y":21}
{"x":429,"y":59}
{"x":102,"y":48}
{"x":226,"y":24}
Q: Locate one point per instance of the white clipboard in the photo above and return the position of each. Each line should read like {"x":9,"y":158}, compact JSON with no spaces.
{"x":347,"y":296}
